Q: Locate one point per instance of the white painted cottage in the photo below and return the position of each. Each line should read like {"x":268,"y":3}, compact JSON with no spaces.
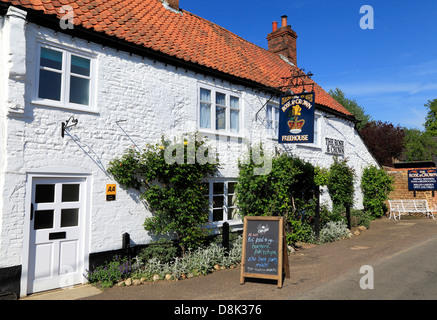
{"x":116,"y":74}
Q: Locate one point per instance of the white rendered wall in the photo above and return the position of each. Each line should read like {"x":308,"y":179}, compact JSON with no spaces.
{"x":138,"y":100}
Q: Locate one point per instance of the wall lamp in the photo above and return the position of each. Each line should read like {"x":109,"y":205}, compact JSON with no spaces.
{"x":66,"y":125}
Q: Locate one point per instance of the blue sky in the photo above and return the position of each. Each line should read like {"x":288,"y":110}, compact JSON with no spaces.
{"x":391,"y":71}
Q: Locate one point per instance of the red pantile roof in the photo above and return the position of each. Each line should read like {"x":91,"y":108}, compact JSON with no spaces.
{"x":181,"y":35}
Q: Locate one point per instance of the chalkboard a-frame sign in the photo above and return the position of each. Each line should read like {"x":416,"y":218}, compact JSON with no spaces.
{"x":264,"y":249}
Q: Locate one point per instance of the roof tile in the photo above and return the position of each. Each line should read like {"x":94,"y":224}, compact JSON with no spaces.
{"x":182,"y":35}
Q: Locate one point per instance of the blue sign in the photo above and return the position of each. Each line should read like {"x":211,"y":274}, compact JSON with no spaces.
{"x":296,"y":118}
{"x":422,"y":179}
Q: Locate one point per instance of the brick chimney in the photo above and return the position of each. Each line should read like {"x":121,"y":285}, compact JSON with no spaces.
{"x":174,"y":4}
{"x":283,"y":40}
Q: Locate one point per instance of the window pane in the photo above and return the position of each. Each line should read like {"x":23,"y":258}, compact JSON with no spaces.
{"x":43,"y":219}
{"x":231,"y":187}
{"x":205,"y":115}
{"x":205,"y":95}
{"x":218,"y":188}
{"x":220,"y":118}
{"x":49,"y":85}
{"x":220,"y":98}
{"x":235,"y":102}
{"x":233,"y":214}
{"x":69,"y":218}
{"x":217,"y":202}
{"x":51,"y":59}
{"x":70,"y":192}
{"x":235,"y":120}
{"x":232,"y":200}
{"x":80,"y":66}
{"x":79,"y":90}
{"x":217,"y":215}
{"x":44,"y":193}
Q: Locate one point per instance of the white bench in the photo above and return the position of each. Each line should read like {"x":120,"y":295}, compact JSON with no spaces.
{"x":405,"y":206}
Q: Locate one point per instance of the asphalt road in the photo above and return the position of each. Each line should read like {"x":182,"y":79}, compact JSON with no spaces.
{"x":410,"y":274}
{"x":401,"y":253}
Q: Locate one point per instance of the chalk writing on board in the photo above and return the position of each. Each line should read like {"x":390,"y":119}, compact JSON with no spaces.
{"x":262,"y":249}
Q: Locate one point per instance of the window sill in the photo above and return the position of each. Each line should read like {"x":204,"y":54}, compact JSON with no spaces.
{"x":221,"y":133}
{"x":72,"y":107}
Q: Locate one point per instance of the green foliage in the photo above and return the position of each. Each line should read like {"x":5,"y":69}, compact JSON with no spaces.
{"x":110,"y":273}
{"x":173,"y":191}
{"x":195,"y":262}
{"x":341,"y":183}
{"x":334,"y":231}
{"x":352,"y":106}
{"x":419,"y":146}
{"x":286,"y":191}
{"x":360,"y":218}
{"x":376,"y":186}
{"x":431,"y":118}
{"x":163,"y":250}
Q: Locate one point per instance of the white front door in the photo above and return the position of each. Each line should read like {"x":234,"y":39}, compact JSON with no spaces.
{"x":56,"y":251}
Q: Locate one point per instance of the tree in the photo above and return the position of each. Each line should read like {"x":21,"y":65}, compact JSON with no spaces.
{"x":431,"y":119}
{"x":419,"y":146}
{"x":384,"y":140}
{"x":352,"y":106}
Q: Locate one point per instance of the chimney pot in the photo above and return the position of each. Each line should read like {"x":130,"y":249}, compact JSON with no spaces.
{"x":284,"y":21}
{"x":282,"y":41}
{"x":275,"y":26}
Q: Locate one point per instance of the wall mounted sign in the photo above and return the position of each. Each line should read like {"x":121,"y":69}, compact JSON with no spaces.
{"x":421,"y":180}
{"x":264,"y":249}
{"x":111,"y":192}
{"x":296,"y":118}
{"x":334,"y":146}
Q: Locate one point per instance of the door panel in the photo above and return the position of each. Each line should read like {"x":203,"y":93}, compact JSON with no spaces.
{"x":56,"y":233}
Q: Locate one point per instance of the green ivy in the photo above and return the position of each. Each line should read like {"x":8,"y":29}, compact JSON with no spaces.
{"x":173,"y":191}
{"x":376,"y":186}
{"x":286,"y":191}
{"x":340,"y":183}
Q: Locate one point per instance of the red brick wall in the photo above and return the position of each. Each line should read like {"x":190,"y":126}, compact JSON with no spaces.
{"x":401,"y":187}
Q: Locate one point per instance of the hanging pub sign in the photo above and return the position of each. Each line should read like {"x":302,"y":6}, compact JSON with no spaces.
{"x":421,"y":180}
{"x":296,"y":118}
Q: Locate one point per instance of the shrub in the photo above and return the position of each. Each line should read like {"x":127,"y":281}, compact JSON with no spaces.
{"x":163,"y":250}
{"x":360,"y":218}
{"x":286,"y":191}
{"x":109,"y":273}
{"x":340,"y":183}
{"x":334,"y":231}
{"x":376,"y":186}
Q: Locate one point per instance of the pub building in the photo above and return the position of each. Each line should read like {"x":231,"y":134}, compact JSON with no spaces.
{"x":82,"y":81}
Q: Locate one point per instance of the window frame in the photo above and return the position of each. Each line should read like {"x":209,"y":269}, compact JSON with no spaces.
{"x":213,"y":110}
{"x":272,"y":132}
{"x":66,"y":74}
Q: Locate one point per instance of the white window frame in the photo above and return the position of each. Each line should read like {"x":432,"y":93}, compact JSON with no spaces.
{"x":272,"y":132}
{"x":64,"y":102}
{"x":225,"y":202}
{"x":228,"y":93}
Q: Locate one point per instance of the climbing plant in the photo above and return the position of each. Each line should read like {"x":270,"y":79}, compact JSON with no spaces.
{"x":172,"y":189}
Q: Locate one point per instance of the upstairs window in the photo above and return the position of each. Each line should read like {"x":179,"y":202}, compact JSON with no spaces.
{"x":272,"y":118}
{"x":219,"y":110}
{"x":65,"y":79}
